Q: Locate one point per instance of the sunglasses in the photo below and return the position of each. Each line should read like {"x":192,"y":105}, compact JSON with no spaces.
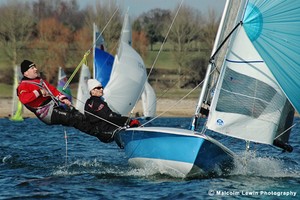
{"x":98,"y":88}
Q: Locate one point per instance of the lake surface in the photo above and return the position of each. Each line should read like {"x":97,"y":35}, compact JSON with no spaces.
{"x":38,"y":161}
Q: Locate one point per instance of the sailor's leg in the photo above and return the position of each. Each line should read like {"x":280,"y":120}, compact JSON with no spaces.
{"x":72,"y":118}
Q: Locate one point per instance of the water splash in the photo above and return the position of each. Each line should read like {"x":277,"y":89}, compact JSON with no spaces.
{"x":249,"y":163}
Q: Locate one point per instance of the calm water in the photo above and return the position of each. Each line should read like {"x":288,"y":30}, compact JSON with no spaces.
{"x":38,"y":162}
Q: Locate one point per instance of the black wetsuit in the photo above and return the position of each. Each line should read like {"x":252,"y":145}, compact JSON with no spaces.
{"x":103,"y":118}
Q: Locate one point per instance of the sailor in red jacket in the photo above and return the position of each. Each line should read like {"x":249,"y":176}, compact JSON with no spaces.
{"x":43,"y":100}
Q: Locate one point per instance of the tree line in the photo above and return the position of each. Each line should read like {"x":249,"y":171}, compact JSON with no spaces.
{"x":58,"y":33}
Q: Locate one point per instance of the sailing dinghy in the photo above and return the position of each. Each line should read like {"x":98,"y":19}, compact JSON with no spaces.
{"x":17,"y":106}
{"x":104,"y":64}
{"x":82,"y":91}
{"x":128,"y":75}
{"x":253,"y":99}
{"x":102,"y":60}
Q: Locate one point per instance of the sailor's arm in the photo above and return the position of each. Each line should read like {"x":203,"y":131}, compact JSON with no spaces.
{"x":61,"y":97}
{"x":27,"y":96}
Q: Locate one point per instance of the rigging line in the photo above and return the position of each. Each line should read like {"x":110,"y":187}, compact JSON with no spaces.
{"x":112,"y":50}
{"x":285,"y":131}
{"x":54,"y":98}
{"x":88,"y":52}
{"x":94,"y":114}
{"x":173,"y":104}
{"x":49,"y":91}
{"x":165,"y":39}
{"x":161,"y":47}
{"x":76,"y":69}
{"x":66,"y":141}
{"x":225,"y":40}
{"x":43,"y":85}
{"x":103,"y":119}
{"x":177,"y":101}
{"x":104,"y":28}
{"x":166,"y":91}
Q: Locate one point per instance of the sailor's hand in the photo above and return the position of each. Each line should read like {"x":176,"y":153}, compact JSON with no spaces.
{"x":44,"y":92}
{"x":66,"y":101}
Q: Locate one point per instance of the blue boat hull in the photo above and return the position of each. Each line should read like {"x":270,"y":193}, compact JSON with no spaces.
{"x":174,"y":151}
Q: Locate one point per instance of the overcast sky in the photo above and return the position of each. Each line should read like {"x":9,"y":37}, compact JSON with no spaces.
{"x":137,"y":7}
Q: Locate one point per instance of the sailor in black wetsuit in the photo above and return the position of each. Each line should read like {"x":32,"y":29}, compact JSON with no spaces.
{"x":101,"y":116}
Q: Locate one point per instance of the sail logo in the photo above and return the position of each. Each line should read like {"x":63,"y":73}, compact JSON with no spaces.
{"x":220,"y":122}
{"x":141,"y":66}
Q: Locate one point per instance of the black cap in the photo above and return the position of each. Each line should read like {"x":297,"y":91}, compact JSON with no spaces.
{"x":25,"y":65}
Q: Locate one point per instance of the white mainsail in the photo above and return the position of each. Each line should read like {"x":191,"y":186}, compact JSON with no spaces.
{"x":148,"y":97}
{"x":17,"y":106}
{"x":149,"y":101}
{"x":82,"y":92}
{"x":126,"y":34}
{"x":127,"y":80}
{"x":248,"y":102}
{"x":128,"y":75}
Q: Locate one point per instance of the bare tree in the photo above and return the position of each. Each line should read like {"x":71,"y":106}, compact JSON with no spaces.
{"x":209,"y":29}
{"x":140,"y":42}
{"x":16,"y":28}
{"x":184,"y":35}
{"x":67,"y":12}
{"x":52,"y":46}
{"x":100,"y":15}
{"x":153,"y":23}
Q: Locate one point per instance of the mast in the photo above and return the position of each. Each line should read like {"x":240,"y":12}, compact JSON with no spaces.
{"x":210,"y":66}
{"x":95,"y":30}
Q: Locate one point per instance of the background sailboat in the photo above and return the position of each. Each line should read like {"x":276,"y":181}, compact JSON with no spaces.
{"x":128,"y":75}
{"x":61,"y":81}
{"x":17,"y":106}
{"x":102,"y":60}
{"x":82,"y":90}
{"x":103,"y":66}
{"x":148,"y":101}
{"x":248,"y":102}
{"x":127,"y":80}
{"x":148,"y":97}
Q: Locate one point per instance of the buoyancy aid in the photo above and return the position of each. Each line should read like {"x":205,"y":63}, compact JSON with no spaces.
{"x":30,"y":95}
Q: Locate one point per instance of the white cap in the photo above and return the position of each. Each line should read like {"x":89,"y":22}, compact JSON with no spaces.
{"x":92,"y":83}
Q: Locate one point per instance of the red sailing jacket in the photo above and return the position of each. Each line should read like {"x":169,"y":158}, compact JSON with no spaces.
{"x":30,"y":95}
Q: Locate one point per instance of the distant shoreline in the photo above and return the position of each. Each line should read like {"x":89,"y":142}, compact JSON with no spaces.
{"x":164,"y":108}
{"x":184,"y":108}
